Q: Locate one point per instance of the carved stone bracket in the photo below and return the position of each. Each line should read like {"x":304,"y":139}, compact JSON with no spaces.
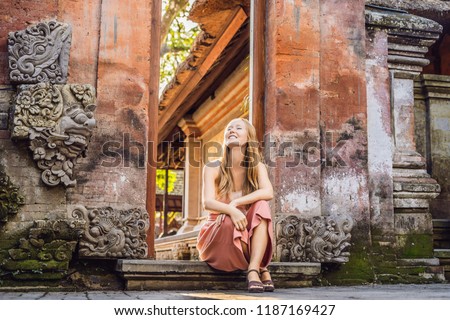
{"x":318,"y":239}
{"x":40,"y":53}
{"x":408,"y":40}
{"x":111,"y":233}
{"x":409,"y":37}
{"x":46,"y":252}
{"x":58,"y":120}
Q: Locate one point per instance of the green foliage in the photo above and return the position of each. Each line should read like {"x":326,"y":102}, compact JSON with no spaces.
{"x":161,"y":179}
{"x":176,"y":48}
{"x":10,"y":199}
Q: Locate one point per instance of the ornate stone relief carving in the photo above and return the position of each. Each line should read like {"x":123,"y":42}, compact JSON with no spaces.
{"x":319,"y":239}
{"x":46,"y":252}
{"x":58,"y":120}
{"x":40,"y":53}
{"x":111,"y":233}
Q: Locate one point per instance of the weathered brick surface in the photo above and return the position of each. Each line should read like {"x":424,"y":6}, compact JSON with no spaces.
{"x":444,"y":52}
{"x":316,"y":94}
{"x":84,"y":17}
{"x":122,"y":96}
{"x":4,"y":121}
{"x":6,"y":95}
{"x":343,"y":123}
{"x":292,"y":100}
{"x":379,"y":134}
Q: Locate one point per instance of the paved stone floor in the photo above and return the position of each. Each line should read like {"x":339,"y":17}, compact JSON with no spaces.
{"x":370,"y":292}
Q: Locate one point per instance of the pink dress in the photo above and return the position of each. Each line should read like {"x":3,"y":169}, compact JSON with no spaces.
{"x":219,"y":242}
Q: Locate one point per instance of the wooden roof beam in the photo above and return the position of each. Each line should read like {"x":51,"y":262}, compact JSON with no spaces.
{"x":176,"y":110}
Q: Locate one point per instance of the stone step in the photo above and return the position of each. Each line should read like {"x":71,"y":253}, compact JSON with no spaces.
{"x":441,"y":223}
{"x":442,"y":253}
{"x":441,"y":233}
{"x":197,"y":275}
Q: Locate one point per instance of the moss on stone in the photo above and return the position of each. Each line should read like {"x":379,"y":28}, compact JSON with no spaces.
{"x":45,"y":276}
{"x":359,"y":270}
{"x":415,"y":246}
{"x":7,"y":244}
{"x":35,"y":265}
{"x":401,"y":270}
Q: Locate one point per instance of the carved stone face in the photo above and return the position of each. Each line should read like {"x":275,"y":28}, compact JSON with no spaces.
{"x":58,"y":120}
{"x":75,"y":129}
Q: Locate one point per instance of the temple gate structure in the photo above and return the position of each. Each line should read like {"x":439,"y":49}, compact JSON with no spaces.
{"x":350,"y":99}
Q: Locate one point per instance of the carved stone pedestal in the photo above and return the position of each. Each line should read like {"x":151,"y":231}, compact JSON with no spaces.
{"x":46,"y":252}
{"x":435,"y":91}
{"x":319,"y":239}
{"x":408,"y":39}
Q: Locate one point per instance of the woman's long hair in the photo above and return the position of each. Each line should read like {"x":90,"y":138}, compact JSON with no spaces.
{"x":252,"y":156}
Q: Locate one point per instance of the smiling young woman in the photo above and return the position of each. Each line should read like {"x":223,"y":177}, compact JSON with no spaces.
{"x":238,"y":233}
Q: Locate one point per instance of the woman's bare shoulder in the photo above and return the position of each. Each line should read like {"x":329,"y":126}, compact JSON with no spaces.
{"x":262,"y":166}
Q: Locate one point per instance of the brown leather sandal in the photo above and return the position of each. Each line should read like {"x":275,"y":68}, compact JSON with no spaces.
{"x":254,"y":286}
{"x":268,"y":284}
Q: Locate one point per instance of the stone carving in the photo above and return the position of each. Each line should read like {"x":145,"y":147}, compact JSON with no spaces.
{"x":113,"y":233}
{"x":319,"y":239}
{"x":40,"y":53}
{"x":58,"y":120}
{"x":10,"y":199}
{"x":46,"y":252}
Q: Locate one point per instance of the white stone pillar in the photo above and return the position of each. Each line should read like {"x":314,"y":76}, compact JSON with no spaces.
{"x":192,"y":176}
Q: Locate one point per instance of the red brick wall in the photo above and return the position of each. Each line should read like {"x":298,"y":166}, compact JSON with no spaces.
{"x":110,"y":49}
{"x":439,"y":56}
{"x":444,"y":54}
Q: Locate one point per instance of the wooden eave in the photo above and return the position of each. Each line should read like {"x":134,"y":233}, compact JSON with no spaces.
{"x":191,"y":85}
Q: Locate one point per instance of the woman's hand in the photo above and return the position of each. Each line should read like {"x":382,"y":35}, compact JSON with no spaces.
{"x":238,"y":218}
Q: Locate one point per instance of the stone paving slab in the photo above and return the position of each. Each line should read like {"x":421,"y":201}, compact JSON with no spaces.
{"x":369,"y":292}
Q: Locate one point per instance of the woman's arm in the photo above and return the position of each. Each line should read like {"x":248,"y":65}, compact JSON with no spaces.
{"x":210,"y":173}
{"x":265,"y":191}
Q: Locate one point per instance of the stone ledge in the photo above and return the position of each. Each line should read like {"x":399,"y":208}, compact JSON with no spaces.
{"x":197,"y":275}
{"x":418,"y":262}
{"x":441,"y":223}
{"x":168,"y":248}
{"x":442,"y":253}
{"x":176,"y":238}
